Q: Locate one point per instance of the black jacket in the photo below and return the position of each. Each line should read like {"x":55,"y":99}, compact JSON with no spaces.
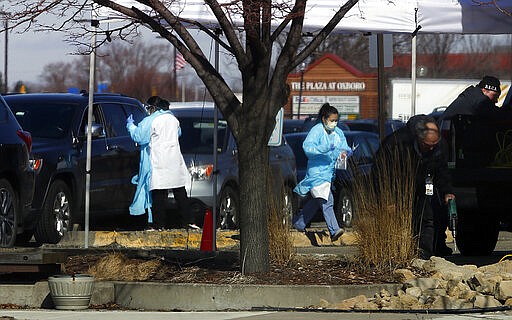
{"x":402,"y":144}
{"x":470,"y":102}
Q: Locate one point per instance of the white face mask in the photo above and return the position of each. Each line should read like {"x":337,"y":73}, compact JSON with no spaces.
{"x":331,"y":125}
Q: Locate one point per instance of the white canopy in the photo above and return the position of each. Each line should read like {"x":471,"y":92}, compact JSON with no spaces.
{"x":386,"y":16}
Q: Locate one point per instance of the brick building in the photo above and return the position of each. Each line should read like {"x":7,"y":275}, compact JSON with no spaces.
{"x":331,"y":79}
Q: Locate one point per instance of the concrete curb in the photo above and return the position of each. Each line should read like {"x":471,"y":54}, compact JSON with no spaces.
{"x":194,"y":297}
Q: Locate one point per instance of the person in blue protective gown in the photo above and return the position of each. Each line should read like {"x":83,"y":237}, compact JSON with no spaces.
{"x":324,"y":144}
{"x":142,"y":201}
{"x":162,"y":167}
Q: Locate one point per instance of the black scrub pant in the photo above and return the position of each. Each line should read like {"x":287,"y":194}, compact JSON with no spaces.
{"x":423,"y":223}
{"x":441,"y":221}
{"x":159,"y":207}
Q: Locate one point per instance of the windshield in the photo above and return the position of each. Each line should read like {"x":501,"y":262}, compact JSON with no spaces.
{"x":197,"y":135}
{"x":44,"y":120}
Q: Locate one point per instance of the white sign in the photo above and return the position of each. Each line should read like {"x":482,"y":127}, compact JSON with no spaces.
{"x":309,"y":99}
{"x":329,"y":86}
{"x":310,"y":105}
{"x":277,"y":134}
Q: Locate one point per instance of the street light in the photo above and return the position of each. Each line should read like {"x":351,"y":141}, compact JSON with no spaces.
{"x":302,"y":69}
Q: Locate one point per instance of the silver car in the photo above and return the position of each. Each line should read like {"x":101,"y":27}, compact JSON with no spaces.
{"x":196,"y":141}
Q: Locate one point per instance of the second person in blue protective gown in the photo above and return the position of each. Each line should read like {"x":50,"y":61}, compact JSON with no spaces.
{"x":324,"y":144}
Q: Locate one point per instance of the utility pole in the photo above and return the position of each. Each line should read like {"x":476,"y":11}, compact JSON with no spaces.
{"x":6,"y":51}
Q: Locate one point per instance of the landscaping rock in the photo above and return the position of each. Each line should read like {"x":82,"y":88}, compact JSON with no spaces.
{"x":449,"y":287}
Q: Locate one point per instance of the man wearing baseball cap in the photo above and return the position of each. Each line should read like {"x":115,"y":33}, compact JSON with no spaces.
{"x":475,"y":100}
{"x":479,"y":100}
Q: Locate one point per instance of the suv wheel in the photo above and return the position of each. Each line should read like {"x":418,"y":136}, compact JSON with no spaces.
{"x":23,"y":239}
{"x":56,"y":216}
{"x":8,"y":214}
{"x":228,"y":208}
{"x":345,"y":208}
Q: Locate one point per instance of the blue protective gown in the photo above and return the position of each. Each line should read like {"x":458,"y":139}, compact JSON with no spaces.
{"x":322,"y":150}
{"x":141,"y":134}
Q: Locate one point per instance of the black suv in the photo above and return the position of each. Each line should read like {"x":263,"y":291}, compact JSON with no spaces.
{"x":16,"y":179}
{"x":58,"y":123}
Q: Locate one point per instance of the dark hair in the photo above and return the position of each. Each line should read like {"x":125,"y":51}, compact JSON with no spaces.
{"x":158,"y":103}
{"x":163,"y":104}
{"x":153,"y":101}
{"x":325,"y":111}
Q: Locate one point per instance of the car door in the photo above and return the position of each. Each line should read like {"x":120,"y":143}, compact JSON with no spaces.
{"x":120,"y":161}
{"x":282,"y":165}
{"x":100,"y":170}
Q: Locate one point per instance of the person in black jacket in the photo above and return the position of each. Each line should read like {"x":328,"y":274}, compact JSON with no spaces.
{"x":480,"y":101}
{"x":476,"y":100}
{"x":420,"y":143}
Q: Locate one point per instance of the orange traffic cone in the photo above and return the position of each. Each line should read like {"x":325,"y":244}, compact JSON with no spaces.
{"x":207,"y":235}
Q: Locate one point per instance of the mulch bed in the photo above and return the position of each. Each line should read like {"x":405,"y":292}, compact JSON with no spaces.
{"x":302,"y":270}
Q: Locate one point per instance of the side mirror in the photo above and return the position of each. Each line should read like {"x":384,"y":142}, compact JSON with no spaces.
{"x":97,"y":131}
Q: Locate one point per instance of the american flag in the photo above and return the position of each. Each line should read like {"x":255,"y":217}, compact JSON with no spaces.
{"x":180,"y":62}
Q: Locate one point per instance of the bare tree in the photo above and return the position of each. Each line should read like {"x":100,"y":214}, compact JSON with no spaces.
{"x":136,"y":70}
{"x":437,"y":47}
{"x":264,"y":85}
{"x":352,"y":48}
{"x":55,"y":77}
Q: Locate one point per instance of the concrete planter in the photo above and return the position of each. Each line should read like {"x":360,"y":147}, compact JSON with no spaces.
{"x":71,"y":292}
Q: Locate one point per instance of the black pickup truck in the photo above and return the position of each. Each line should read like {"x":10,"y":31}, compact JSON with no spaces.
{"x":480,"y":161}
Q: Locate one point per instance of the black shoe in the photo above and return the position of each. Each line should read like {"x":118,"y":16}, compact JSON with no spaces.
{"x":443,"y":250}
{"x":337,"y":235}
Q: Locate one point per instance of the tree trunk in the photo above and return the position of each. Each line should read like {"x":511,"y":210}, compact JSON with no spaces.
{"x":254,"y":243}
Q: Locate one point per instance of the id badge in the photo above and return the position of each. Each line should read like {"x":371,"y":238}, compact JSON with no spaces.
{"x":429,"y":188}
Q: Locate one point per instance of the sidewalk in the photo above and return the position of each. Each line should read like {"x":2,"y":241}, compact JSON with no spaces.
{"x":142,"y":315}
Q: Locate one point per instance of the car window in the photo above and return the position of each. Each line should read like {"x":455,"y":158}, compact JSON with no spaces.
{"x":44,"y":119}
{"x":137,"y":112}
{"x":115,"y":119}
{"x":363,"y":153}
{"x":359,"y":126}
{"x":96,"y":118}
{"x":295,"y":142}
{"x":197,"y":135}
{"x":366,"y":154}
{"x":374,"y":144}
{"x":3,"y":112}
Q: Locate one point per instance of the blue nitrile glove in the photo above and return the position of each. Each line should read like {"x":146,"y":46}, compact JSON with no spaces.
{"x":332,"y":147}
{"x":129,"y":120}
